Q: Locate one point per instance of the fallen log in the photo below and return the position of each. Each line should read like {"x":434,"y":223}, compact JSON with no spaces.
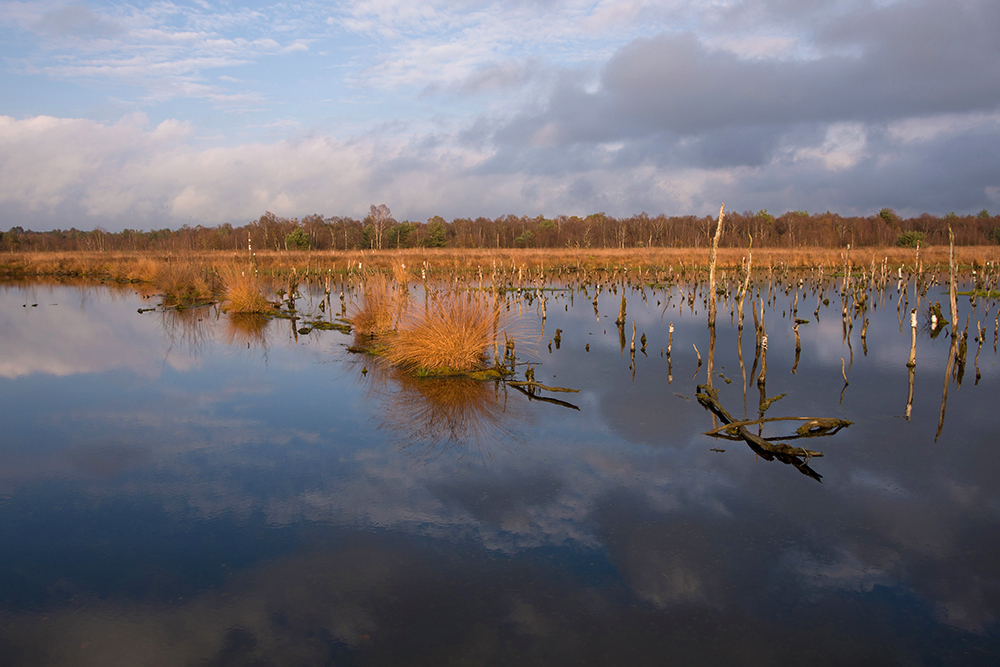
{"x":795,"y":456}
{"x":814,"y":426}
{"x":538,"y":385}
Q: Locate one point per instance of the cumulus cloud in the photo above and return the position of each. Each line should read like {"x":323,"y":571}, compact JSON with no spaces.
{"x":495,"y":107}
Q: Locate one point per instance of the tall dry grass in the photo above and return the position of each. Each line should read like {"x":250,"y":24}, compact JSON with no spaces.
{"x":243,"y":290}
{"x":137,"y":265}
{"x":384,"y":302}
{"x":453,"y":331}
{"x":376,"y":314}
{"x":184,"y":283}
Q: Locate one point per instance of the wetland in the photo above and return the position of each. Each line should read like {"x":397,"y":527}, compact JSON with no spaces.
{"x":196,"y":486}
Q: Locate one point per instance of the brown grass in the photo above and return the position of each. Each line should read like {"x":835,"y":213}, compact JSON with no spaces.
{"x":377,"y":313}
{"x":137,"y":265}
{"x":242,"y":289}
{"x":453,"y":332}
{"x":184,"y":283}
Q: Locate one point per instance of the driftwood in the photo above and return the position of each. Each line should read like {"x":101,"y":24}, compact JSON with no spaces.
{"x":813,"y":427}
{"x":767,"y":449}
{"x":538,"y":385}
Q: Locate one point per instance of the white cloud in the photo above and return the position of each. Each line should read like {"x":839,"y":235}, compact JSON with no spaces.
{"x":928,"y":128}
{"x":842,"y":148}
{"x":485,"y":107}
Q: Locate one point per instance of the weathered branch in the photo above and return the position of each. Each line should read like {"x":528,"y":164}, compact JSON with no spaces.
{"x":814,"y":426}
{"x":708,"y":397}
{"x":519,"y":384}
{"x":544,"y":399}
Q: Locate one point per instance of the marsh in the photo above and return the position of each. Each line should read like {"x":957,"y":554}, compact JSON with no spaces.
{"x":183,"y":487}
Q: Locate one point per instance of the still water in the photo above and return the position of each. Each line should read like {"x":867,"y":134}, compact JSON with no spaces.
{"x":180,"y":489}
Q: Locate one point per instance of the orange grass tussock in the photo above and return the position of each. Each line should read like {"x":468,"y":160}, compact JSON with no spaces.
{"x":242,"y":290}
{"x":452,"y":332}
{"x":184,"y":283}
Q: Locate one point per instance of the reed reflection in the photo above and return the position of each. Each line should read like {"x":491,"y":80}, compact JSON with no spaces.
{"x":188,"y":328}
{"x":246,"y":329}
{"x":429,"y":418}
{"x":195,"y":329}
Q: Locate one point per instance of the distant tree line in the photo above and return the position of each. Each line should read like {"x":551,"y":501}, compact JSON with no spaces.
{"x":380,"y":230}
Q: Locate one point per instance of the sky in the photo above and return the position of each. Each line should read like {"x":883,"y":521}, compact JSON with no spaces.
{"x":146,"y":115}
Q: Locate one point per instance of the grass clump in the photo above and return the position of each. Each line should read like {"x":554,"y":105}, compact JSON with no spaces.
{"x":453,"y":332}
{"x":242,"y":290}
{"x":377,"y":313}
{"x":183,"y":283}
{"x":385,"y":301}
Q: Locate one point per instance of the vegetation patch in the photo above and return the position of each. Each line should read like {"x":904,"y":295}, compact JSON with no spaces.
{"x":342,"y":326}
{"x":242,"y":290}
{"x":452,"y":331}
{"x":981,"y":293}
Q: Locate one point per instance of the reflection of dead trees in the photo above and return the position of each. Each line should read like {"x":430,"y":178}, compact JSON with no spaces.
{"x":798,"y":348}
{"x":769,"y":448}
{"x":952,"y":355}
{"x":670,"y":345}
{"x":955,"y":350}
{"x":760,"y":348}
{"x":911,"y":373}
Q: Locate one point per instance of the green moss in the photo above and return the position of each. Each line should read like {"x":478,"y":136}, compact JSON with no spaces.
{"x":342,"y":326}
{"x":981,"y":293}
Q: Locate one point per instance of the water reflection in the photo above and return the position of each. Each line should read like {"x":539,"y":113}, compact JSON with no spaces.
{"x":249,"y":329}
{"x":191,"y":330}
{"x":231,"y":511}
{"x":462,"y":417}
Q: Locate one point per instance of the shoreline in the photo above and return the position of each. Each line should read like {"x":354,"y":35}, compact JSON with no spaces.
{"x":141,"y":266}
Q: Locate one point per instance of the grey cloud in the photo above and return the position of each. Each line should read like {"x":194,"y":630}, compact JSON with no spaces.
{"x":905,"y":61}
{"x":672,"y":102}
{"x":952,"y":172}
{"x":501,"y":501}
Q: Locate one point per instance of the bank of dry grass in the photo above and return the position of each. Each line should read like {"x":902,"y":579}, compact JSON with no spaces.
{"x":143,"y":266}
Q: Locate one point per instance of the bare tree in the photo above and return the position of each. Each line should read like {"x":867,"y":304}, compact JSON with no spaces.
{"x":381,"y":218}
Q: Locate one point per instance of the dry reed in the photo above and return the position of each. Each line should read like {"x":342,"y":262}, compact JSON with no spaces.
{"x":183,"y":283}
{"x":378,"y":311}
{"x":120,"y":265}
{"x":243,"y":290}
{"x":452,"y":332}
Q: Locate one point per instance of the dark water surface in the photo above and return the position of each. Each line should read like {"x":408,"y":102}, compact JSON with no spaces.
{"x":177,"y":489}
